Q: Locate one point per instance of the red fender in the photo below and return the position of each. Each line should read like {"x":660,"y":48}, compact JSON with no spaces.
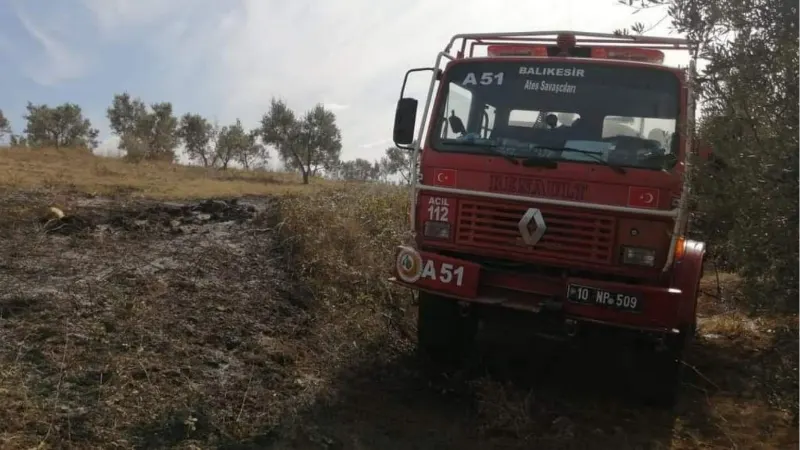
{"x":686,"y":274}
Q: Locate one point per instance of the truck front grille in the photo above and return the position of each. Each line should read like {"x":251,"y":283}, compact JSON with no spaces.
{"x":570,"y":235}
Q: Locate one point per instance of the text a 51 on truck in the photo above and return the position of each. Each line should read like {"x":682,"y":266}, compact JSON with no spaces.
{"x":553,"y":178}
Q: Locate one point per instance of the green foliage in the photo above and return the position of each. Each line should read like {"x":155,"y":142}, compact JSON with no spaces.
{"x":125,"y":114}
{"x":359,"y":170}
{"x":751,"y":120}
{"x":309,"y":144}
{"x":5,"y":125}
{"x":234,"y":143}
{"x":198,"y":135}
{"x":748,"y":195}
{"x":62,"y":126}
{"x":218,"y":147}
{"x":397,"y":162}
{"x":253,"y":152}
{"x":151,"y":135}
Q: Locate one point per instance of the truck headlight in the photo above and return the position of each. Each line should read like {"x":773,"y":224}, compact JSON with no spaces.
{"x":639,"y":256}
{"x":436,"y":229}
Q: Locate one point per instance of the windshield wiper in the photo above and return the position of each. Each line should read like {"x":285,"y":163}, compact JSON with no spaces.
{"x":491,"y":146}
{"x":593,"y":155}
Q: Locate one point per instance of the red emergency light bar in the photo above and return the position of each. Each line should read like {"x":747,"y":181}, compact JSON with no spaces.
{"x":516,"y":50}
{"x":622,"y":53}
{"x":632,"y":54}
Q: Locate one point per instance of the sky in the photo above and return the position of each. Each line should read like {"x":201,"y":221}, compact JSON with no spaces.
{"x":225,"y":59}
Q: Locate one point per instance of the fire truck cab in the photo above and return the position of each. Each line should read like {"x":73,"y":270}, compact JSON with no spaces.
{"x":550,"y":175}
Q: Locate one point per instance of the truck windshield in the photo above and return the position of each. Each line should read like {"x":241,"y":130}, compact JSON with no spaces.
{"x":625,"y":116}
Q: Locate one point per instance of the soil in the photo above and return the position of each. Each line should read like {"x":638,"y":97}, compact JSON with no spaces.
{"x":120,"y":322}
{"x":136,"y":324}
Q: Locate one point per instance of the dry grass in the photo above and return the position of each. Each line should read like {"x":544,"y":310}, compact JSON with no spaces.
{"x":74,"y":170}
{"x":740,"y":391}
{"x":280,"y":331}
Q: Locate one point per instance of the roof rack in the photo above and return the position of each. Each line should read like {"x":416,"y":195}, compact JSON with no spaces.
{"x":551,"y":38}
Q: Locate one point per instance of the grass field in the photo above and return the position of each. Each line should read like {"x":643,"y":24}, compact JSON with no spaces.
{"x":151,"y":318}
{"x":68,"y":170}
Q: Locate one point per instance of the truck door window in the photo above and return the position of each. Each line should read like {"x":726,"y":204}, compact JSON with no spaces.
{"x":654,"y":130}
{"x":459,"y":102}
{"x":647,"y":141}
{"x":522,"y":118}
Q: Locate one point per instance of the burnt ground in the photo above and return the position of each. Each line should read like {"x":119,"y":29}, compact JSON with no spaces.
{"x":184,"y":325}
{"x":134,"y":324}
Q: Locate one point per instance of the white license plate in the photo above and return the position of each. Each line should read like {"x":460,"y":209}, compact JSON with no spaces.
{"x":587,"y":295}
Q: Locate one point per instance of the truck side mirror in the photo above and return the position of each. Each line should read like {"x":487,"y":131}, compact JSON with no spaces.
{"x":405,"y":119}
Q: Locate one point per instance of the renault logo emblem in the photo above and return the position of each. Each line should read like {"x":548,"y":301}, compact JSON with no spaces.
{"x":532,"y":226}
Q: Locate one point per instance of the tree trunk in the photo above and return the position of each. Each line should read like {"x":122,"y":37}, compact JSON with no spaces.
{"x":305,"y":176}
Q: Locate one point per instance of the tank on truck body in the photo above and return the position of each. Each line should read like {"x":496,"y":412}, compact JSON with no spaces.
{"x":551,"y":176}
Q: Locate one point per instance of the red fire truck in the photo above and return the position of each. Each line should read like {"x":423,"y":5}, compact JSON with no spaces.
{"x":551,"y":176}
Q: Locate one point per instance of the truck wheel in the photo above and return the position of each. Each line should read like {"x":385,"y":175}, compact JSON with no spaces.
{"x":662,"y":373}
{"x":444,"y":333}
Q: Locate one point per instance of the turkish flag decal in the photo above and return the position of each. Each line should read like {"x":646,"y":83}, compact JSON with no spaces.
{"x":643,"y":197}
{"x":444,"y":177}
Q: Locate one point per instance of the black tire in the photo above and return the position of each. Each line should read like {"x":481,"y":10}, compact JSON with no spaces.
{"x":444,"y":333}
{"x":661,"y":373}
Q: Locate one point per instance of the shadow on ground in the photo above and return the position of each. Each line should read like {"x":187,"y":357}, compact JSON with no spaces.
{"x":544,"y":397}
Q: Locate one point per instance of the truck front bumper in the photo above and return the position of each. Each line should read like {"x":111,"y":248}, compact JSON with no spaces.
{"x":639,"y":307}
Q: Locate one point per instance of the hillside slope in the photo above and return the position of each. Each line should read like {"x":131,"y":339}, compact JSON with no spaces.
{"x":70,"y":170}
{"x":157,"y":318}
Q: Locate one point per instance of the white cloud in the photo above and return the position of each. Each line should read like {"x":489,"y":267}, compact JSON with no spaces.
{"x":57,"y":61}
{"x":117,"y":18}
{"x":236,"y":55}
{"x":372,"y":145}
{"x":358,"y":52}
{"x":335,"y":106}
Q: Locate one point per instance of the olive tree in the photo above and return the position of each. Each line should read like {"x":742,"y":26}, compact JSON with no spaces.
{"x":308,"y":144}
